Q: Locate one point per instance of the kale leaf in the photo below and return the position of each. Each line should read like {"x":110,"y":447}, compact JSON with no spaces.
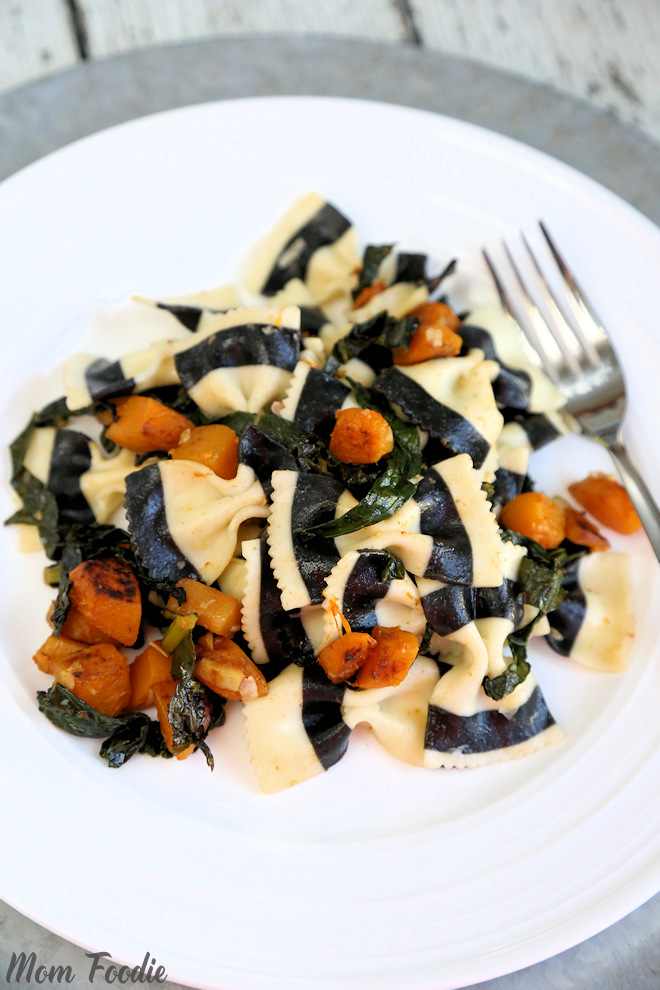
{"x":381,"y":330}
{"x":374,"y":255}
{"x":498,"y":687}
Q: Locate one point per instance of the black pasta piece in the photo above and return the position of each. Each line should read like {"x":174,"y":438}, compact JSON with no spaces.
{"x":70,"y":459}
{"x":487,"y":730}
{"x":454,"y":606}
{"x":513,"y":386}
{"x":320,"y":397}
{"x":253,"y":343}
{"x":566,"y":620}
{"x":105,"y":379}
{"x":264,"y":455}
{"x":452,"y":433}
{"x":321,"y":715}
{"x":147,"y":524}
{"x":314,"y":502}
{"x":451,"y":557}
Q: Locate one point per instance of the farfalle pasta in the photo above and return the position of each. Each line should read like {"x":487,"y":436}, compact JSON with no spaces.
{"x":321,"y":584}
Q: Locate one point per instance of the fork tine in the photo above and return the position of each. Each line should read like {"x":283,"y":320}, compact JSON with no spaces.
{"x":519,"y":317}
{"x":557,"y":355}
{"x":563,"y":328}
{"x":585,"y":315}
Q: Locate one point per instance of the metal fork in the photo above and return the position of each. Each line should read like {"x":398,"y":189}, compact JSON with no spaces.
{"x":572,"y":347}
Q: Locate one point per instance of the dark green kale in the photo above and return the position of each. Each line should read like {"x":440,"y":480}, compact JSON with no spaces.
{"x":374,"y":255}
{"x":540,"y":584}
{"x":237,"y":421}
{"x":381,"y":330}
{"x":498,"y":687}
{"x":128,"y":734}
{"x":39,"y":505}
{"x":193,"y":709}
{"x":394,"y":486}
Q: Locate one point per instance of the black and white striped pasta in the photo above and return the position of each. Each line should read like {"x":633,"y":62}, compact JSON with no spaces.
{"x":435,"y":396}
{"x":301,"y":560}
{"x":313,"y":398}
{"x":296,"y":731}
{"x":313,"y":235}
{"x":59,"y":459}
{"x":275,"y":637}
{"x":184,"y":519}
{"x":243,"y":365}
{"x":366,"y":596}
{"x":489,"y":736}
{"x":594,"y":624}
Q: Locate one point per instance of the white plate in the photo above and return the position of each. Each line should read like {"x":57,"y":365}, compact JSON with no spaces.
{"x":375,"y":874}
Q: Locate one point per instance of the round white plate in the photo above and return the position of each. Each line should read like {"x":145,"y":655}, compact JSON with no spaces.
{"x":376,"y":873}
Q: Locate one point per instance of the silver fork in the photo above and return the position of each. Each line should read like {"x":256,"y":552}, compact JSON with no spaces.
{"x":572,"y":347}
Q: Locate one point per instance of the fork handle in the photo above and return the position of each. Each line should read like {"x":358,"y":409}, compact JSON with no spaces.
{"x":641,"y":497}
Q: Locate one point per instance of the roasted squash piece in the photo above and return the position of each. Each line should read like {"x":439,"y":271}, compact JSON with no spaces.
{"x":361,"y":436}
{"x":341,"y":658}
{"x":579,"y":530}
{"x":98,"y":675}
{"x":145,"y":425}
{"x":163,"y":692}
{"x":55,"y":651}
{"x":216,"y":611}
{"x":77,"y":627}
{"x":215,"y":446}
{"x":148,"y":668}
{"x":106,"y":592}
{"x":367,"y":294}
{"x":390,"y":660}
{"x":228,"y":671}
{"x":434,"y":338}
{"x":607,"y":501}
{"x":536,"y":516}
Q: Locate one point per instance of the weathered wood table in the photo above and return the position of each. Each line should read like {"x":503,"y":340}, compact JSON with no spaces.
{"x":39,"y":118}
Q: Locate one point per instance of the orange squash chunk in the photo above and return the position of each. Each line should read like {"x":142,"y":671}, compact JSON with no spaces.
{"x":163,"y":692}
{"x":106,"y":592}
{"x":390,"y":660}
{"x":228,"y":671}
{"x":148,"y":668}
{"x":214,"y":446}
{"x":341,"y":658}
{"x":216,"y":611}
{"x":98,"y":675}
{"x":145,"y":425}
{"x":367,"y":294}
{"x":77,"y":627}
{"x":536,"y":516}
{"x":607,"y":501}
{"x":435,"y":336}
{"x":55,"y":651}
{"x":579,"y":530}
{"x":361,"y":436}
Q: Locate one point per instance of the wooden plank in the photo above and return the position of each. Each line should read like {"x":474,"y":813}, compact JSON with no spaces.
{"x":116,"y":25}
{"x":603,"y":51}
{"x":35,"y":39}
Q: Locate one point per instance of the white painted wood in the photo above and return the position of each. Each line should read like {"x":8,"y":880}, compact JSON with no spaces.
{"x":115,"y":25}
{"x":35,"y":39}
{"x":602,"y":51}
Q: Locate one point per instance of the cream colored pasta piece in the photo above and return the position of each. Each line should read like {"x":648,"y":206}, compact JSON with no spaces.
{"x":104,"y":484}
{"x":605,"y":637}
{"x":398,"y":300}
{"x":280,"y":749}
{"x":396,"y":715}
{"x":204,"y":512}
